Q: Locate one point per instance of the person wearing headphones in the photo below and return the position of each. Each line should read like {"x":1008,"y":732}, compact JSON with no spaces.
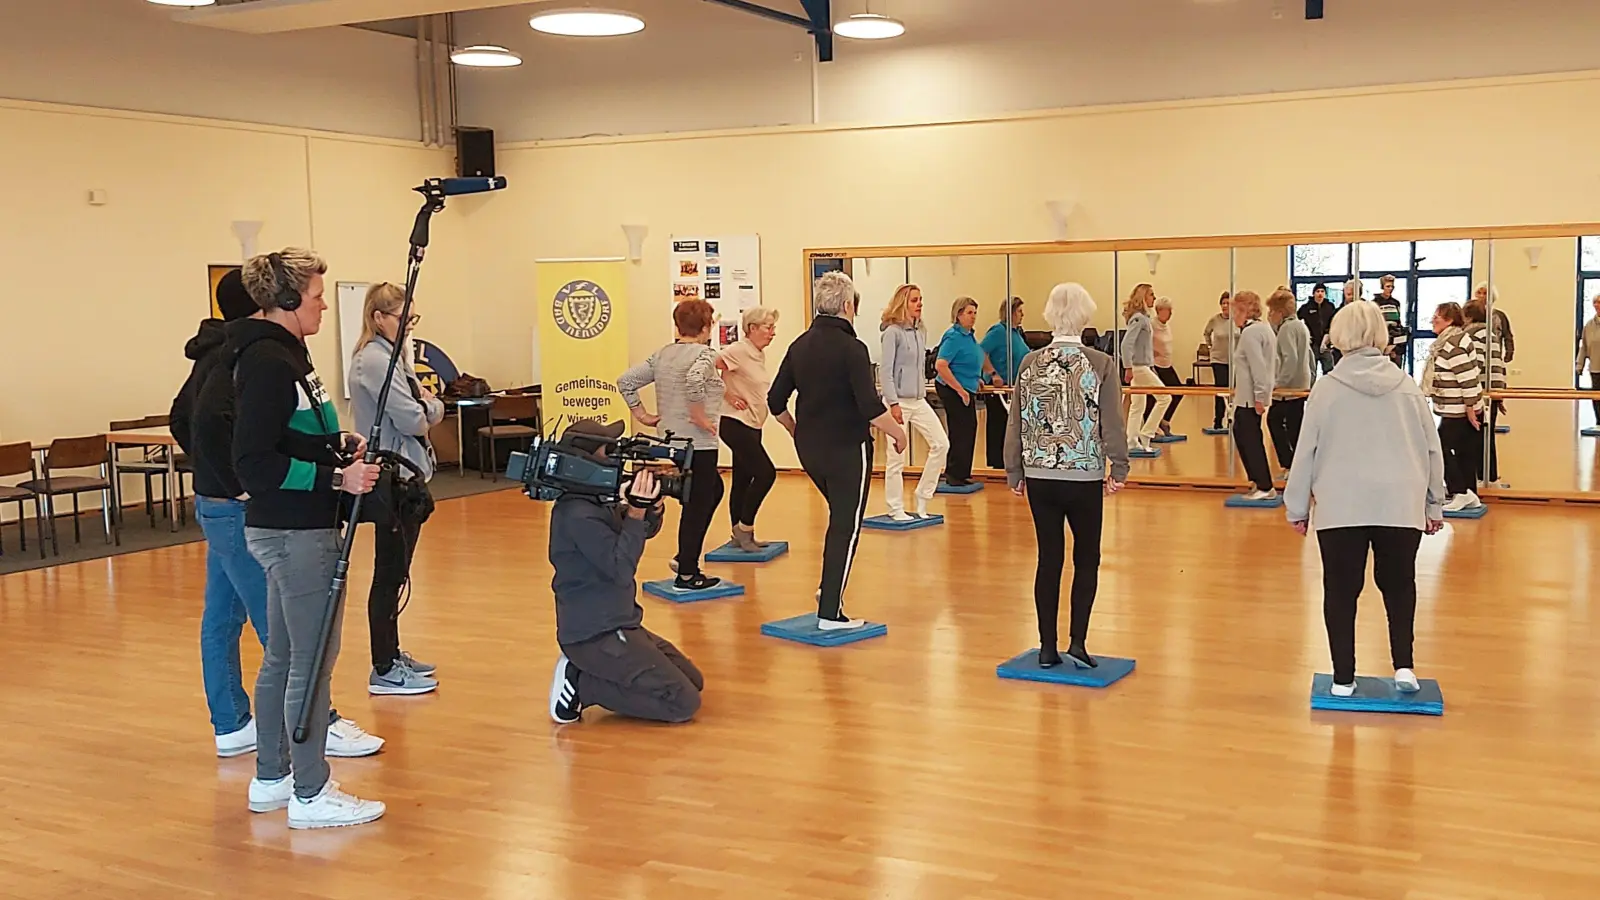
{"x":292,"y":461}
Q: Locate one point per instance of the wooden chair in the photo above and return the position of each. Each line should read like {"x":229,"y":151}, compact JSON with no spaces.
{"x":75,"y":453}
{"x":17,"y":459}
{"x":509,"y":410}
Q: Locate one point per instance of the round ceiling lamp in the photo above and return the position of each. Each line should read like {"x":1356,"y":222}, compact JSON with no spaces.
{"x":183,"y":2}
{"x":869,"y":27}
{"x":485,"y":56}
{"x":586,"y":23}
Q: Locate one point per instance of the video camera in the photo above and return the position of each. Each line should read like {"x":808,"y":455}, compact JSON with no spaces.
{"x":552,"y":469}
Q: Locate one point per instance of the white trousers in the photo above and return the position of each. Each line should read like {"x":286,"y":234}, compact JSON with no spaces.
{"x":921,"y":419}
{"x":1142,"y":429}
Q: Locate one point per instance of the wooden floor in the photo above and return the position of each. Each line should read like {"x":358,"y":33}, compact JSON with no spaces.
{"x":897,"y":768}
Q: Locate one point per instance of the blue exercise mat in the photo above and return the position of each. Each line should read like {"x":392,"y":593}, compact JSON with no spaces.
{"x":972,"y":488}
{"x":1476,"y":512}
{"x":885,"y":523}
{"x":1025,"y":667}
{"x":1152,"y":453}
{"x":1590,"y":432}
{"x":666,"y":591}
{"x":1378,"y":695}
{"x":1237,"y":501}
{"x":1171,"y":438}
{"x":1216,"y":432}
{"x":1502,"y":429}
{"x":804,"y":630}
{"x":730,"y":553}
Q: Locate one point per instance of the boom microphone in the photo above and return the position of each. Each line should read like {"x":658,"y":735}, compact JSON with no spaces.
{"x":452,"y":187}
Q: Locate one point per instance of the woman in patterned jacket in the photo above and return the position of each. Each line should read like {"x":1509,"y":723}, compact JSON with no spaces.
{"x":1066,"y":424}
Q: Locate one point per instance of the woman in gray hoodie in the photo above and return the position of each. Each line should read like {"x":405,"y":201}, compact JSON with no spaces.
{"x":1294,"y":374}
{"x":902,"y":369}
{"x":1369,"y":459}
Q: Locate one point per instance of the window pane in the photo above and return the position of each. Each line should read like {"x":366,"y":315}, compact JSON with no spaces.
{"x":1591,"y":287}
{"x":1419,"y":355}
{"x":1589,"y":254}
{"x":1303,"y":290}
{"x":1332,"y":260}
{"x":1444,"y":254}
{"x":1440,"y":289}
{"x":1394,"y":256}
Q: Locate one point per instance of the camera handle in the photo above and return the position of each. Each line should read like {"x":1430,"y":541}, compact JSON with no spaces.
{"x":433,"y":202}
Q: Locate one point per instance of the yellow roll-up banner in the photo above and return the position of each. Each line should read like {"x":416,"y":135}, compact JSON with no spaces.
{"x":583,"y":340}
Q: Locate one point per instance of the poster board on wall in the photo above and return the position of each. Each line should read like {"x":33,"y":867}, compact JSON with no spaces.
{"x":214,"y":273}
{"x":724,"y":271}
{"x":351,"y":297}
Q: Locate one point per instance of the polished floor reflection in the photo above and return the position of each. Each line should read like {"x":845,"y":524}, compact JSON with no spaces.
{"x":898,"y":768}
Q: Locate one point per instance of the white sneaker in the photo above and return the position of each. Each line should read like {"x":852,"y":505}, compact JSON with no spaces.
{"x":1405,"y":681}
{"x":1472,"y":500}
{"x":237,"y":743}
{"x":1256,"y":496}
{"x":901,"y":516}
{"x":1343,"y":690}
{"x":832,"y":625}
{"x":332,"y":808}
{"x":1463,"y":501}
{"x":346,"y":740}
{"x":266,"y":796}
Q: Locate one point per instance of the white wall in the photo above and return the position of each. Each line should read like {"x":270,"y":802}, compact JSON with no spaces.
{"x":698,"y":66}
{"x":128,"y":54}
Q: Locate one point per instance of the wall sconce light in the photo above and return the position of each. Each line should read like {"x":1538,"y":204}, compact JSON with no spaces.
{"x":1060,"y":212}
{"x":1154,"y":259}
{"x":955,"y":263}
{"x":635,"y":235}
{"x":246,"y":232}
{"x":1534,"y":251}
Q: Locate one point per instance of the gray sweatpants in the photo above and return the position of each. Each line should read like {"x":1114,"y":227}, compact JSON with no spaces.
{"x":299,"y":567}
{"x":637,"y":674}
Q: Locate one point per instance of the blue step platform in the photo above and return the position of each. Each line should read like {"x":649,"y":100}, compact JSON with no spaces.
{"x":666,"y":591}
{"x":1476,"y":512}
{"x":1237,"y":501}
{"x":1378,"y":695}
{"x":730,"y":553}
{"x":804,"y":630}
{"x":1152,"y":453}
{"x":1502,"y":429}
{"x":1216,"y":432}
{"x":1590,"y":432}
{"x":1171,"y":438}
{"x":1025,"y":667}
{"x":972,"y":488}
{"x":884,"y":523}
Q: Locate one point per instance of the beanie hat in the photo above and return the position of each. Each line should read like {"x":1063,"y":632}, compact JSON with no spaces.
{"x":233,"y":299}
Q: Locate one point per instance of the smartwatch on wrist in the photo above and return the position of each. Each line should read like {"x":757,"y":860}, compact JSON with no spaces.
{"x":338,"y":479}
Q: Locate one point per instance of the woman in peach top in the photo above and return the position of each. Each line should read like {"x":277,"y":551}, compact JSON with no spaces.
{"x":745,"y":380}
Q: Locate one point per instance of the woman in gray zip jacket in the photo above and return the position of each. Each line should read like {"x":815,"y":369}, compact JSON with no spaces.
{"x":1139,"y":359}
{"x":1294,"y":374}
{"x":902,"y":378}
{"x":1255,"y":357}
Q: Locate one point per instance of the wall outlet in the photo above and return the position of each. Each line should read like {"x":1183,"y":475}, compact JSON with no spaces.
{"x":1513,"y":372}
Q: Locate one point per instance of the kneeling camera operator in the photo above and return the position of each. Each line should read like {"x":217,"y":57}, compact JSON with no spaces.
{"x":604,"y":512}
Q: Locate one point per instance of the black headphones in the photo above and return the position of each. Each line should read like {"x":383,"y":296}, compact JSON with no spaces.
{"x":288,"y":296}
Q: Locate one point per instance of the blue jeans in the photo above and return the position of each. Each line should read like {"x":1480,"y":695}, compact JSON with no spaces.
{"x":236,"y":591}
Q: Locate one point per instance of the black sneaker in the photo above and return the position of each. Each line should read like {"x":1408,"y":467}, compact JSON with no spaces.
{"x":1049,"y":658}
{"x":1080,"y":657}
{"x":565,"y":707}
{"x":699,"y":581}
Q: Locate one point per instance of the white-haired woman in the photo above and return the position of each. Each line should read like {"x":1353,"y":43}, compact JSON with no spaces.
{"x":1161,"y":341}
{"x":1065,"y":450}
{"x":1138,"y":358}
{"x":901,"y":367}
{"x":745,"y":383}
{"x":1589,"y":353}
{"x":1370,"y":461}
{"x":1255,"y":358}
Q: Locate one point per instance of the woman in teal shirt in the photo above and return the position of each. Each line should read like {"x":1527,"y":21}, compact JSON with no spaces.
{"x":960,"y":365}
{"x":1004,"y":346}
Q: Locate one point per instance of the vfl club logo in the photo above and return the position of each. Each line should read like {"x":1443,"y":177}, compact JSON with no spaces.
{"x":582,"y":310}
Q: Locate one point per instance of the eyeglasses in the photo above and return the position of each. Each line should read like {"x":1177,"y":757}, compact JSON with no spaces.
{"x":410,"y":323}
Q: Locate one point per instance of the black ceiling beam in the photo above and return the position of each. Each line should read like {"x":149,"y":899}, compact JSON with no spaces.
{"x":819,"y":22}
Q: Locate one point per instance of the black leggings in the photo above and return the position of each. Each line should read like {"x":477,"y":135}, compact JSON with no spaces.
{"x":753,"y":471}
{"x":1169,"y":377}
{"x":1252,"y":447}
{"x":1344,"y":574}
{"x":1463,"y":454}
{"x":994,"y":432}
{"x":705,"y":492}
{"x":1284,"y":419}
{"x":1219,"y":375}
{"x":393,"y":547}
{"x":961,"y":420}
{"x":1081,"y":505}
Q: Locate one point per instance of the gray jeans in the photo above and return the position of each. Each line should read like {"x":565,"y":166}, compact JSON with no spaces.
{"x":299,"y":567}
{"x":637,"y":674}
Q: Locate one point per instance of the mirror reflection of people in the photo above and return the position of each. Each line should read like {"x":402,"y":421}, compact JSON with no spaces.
{"x":408,"y":413}
{"x":1005,"y":347}
{"x":1219,"y":335}
{"x":1293,"y":374}
{"x":1138,"y":362}
{"x":961,"y":367}
{"x":1255,"y":358}
{"x":838,"y":406}
{"x":1065,"y":450}
{"x":1491,"y":358}
{"x":744,"y":374}
{"x":1318,"y":313}
{"x":1369,"y":476}
{"x":1161,"y":342}
{"x":689,"y":391}
{"x":1452,"y":378}
{"x":901,"y":377}
{"x":1394,"y":319}
{"x":1502,"y":322}
{"x":1589,"y":353}
{"x":608,"y":658}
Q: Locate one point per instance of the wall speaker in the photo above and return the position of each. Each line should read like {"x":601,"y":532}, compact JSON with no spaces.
{"x":474,"y":152}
